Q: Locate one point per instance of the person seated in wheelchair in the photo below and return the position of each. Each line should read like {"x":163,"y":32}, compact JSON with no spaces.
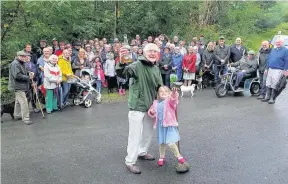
{"x":246,"y":67}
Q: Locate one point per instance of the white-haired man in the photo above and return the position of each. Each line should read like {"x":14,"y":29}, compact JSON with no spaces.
{"x":145,"y":79}
{"x":277,"y":66}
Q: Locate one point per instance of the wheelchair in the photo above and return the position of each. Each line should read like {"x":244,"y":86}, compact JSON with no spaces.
{"x":249,"y":83}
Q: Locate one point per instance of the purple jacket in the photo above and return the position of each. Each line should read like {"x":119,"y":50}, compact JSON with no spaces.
{"x":170,"y":108}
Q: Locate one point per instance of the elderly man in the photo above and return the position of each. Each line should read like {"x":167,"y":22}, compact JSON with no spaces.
{"x":19,"y":81}
{"x":246,"y":67}
{"x":237,"y":51}
{"x":277,"y":66}
{"x":262,"y":66}
{"x":104,"y":52}
{"x":222,"y":54}
{"x":145,"y":79}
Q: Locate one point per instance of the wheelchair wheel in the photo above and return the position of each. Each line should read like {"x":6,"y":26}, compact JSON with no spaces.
{"x":255,"y":88}
{"x":221,"y":90}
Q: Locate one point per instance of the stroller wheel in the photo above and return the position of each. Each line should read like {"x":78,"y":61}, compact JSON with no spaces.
{"x":76,"y":101}
{"x":98,"y":100}
{"x":88,"y":103}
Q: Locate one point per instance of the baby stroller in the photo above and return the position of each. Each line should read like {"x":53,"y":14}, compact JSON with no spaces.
{"x":87,"y":92}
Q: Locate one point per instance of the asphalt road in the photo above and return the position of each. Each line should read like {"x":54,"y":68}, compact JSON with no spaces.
{"x":232,"y":140}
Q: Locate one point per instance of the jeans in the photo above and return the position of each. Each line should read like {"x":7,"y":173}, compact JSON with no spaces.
{"x":66,"y":89}
{"x":262,"y":79}
{"x":99,"y":85}
{"x":166,"y":79}
{"x":239,"y":77}
{"x":217,"y":69}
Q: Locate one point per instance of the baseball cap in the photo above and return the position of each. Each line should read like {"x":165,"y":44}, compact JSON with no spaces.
{"x":251,"y":52}
{"x":22,"y":53}
{"x":221,"y":38}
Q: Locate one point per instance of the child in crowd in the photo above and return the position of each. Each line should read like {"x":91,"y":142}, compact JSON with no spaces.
{"x":99,"y":73}
{"x":164,"y":111}
{"x":109,"y":69}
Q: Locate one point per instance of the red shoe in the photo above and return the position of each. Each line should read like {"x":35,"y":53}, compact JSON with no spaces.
{"x":181,"y":160}
{"x":123,"y":91}
{"x":161,"y":162}
{"x":120,"y":92}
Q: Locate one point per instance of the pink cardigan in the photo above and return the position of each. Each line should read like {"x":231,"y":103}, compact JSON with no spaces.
{"x":170,"y":107}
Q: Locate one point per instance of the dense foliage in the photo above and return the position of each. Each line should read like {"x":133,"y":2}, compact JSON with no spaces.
{"x":29,"y":21}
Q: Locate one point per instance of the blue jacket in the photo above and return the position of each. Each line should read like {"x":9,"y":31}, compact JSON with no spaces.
{"x":278,"y":58}
{"x":32,"y":67}
{"x":177,"y":60}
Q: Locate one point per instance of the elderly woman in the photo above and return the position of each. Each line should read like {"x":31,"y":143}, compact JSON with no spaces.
{"x":165,"y":66}
{"x":177,"y":59}
{"x":80,"y":62}
{"x":52,"y":79}
{"x":189,"y":66}
{"x":89,"y":53}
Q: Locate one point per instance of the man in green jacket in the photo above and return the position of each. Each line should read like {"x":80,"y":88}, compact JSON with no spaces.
{"x":145,"y":79}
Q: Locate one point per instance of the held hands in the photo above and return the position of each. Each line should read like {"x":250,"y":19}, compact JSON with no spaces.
{"x":266,"y":72}
{"x":286,"y":73}
{"x":31,"y":75}
{"x":152,"y":112}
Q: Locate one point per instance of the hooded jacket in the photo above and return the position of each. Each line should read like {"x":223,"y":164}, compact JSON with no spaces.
{"x":145,"y":79}
{"x":65,"y":67}
{"x":52,"y":74}
{"x":263,"y":59}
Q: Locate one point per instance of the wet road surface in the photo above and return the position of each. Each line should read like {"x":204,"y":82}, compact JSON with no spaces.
{"x":232,"y":140}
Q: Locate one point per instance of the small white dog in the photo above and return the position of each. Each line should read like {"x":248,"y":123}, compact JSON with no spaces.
{"x":187,"y":89}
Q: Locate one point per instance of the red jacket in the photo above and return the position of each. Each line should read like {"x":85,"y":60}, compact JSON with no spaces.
{"x":189,"y":61}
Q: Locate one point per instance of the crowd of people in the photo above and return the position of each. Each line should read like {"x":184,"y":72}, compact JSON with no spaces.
{"x":148,"y":65}
{"x":53,"y":67}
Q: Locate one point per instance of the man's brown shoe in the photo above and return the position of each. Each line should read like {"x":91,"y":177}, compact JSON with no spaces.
{"x":146,"y":157}
{"x":133,"y":169}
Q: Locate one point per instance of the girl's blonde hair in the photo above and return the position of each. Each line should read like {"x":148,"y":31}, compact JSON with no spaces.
{"x":82,"y":50}
{"x":166,"y":89}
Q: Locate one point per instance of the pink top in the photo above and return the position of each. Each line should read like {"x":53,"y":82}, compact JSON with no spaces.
{"x":170,"y":108}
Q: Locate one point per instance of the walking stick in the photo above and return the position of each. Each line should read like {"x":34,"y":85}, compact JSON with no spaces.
{"x":37,"y":98}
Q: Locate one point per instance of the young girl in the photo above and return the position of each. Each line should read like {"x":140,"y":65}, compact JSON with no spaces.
{"x":164,"y":112}
{"x":99,"y":73}
{"x":110,"y":72}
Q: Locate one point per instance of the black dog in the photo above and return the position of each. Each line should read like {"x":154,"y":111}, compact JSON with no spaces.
{"x":8,"y":108}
